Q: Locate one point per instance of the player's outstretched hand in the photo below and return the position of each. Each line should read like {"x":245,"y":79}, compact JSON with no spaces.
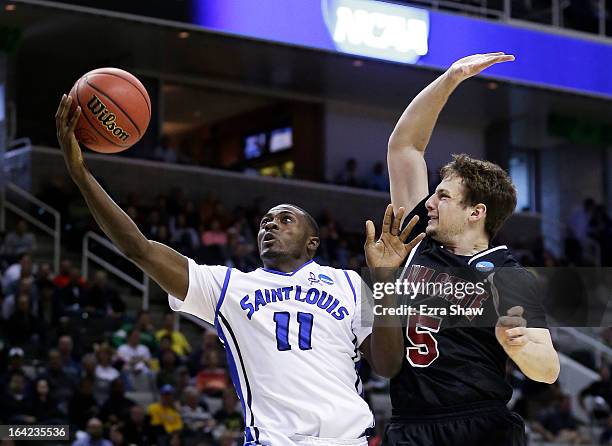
{"x":511,"y":331}
{"x":390,"y":250}
{"x":65,"y":123}
{"x":472,"y":65}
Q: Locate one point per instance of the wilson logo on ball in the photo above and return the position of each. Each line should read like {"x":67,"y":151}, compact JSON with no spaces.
{"x":107,"y":118}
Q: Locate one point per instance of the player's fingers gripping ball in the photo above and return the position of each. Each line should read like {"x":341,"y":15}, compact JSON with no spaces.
{"x":116,"y":110}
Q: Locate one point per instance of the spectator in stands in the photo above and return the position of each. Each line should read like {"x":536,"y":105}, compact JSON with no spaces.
{"x":377,"y":180}
{"x":163,"y":235}
{"x":136,"y":359}
{"x":83,"y":404}
{"x":578,"y":236}
{"x":182,"y":237}
{"x":94,"y":436}
{"x":24,"y":285}
{"x":147,"y":332}
{"x":105,"y":373}
{"x":229,"y":417}
{"x":20,"y":241}
{"x":183,"y":379}
{"x":165,"y":419}
{"x":134,"y":355}
{"x":558,"y":424}
{"x":117,"y":405}
{"x":62,"y":385}
{"x":14,"y":272}
{"x":72,"y":367}
{"x":15,"y":407}
{"x":44,"y":284}
{"x":602,"y":389}
{"x":63,"y":277}
{"x":116,"y":436}
{"x":212,"y":379}
{"x":45,"y":409}
{"x":195,"y":418}
{"x":88,"y":366}
{"x":15,"y":364}
{"x":151,"y":227}
{"x":600,"y":230}
{"x":348,"y":177}
{"x":24,"y":327}
{"x":102,"y":298}
{"x":137,"y":429}
{"x":180,"y":345}
{"x":167,"y":370}
{"x":192,"y":219}
{"x":161,"y":206}
{"x":69,"y":300}
{"x":208,"y":341}
{"x":214,"y":235}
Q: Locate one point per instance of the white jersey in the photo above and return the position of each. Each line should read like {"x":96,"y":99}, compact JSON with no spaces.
{"x":292,"y":346}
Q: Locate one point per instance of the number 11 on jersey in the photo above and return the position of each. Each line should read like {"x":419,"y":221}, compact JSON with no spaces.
{"x":305,"y":321}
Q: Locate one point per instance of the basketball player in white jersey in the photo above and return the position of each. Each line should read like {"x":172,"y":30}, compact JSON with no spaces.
{"x":292,"y":330}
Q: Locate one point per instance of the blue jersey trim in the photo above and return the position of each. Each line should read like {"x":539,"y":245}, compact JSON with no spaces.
{"x":351,"y":285}
{"x":281,"y":273}
{"x":235,"y":378}
{"x":223,"y":292}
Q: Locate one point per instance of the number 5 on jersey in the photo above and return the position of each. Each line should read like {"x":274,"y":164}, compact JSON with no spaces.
{"x":424,"y":350}
{"x":305,"y":321}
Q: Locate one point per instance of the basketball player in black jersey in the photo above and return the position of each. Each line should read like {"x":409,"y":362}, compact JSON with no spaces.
{"x":448,"y":382}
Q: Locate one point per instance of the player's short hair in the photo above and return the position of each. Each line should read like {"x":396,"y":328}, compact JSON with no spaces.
{"x":312,"y":223}
{"x":484,"y":182}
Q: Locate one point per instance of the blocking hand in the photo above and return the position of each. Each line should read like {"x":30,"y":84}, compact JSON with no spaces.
{"x":391,"y":249}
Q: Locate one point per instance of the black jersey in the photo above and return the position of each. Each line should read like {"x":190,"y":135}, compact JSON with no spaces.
{"x":455,"y":360}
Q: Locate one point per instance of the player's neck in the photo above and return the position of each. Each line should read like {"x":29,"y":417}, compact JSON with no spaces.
{"x":284,"y":265}
{"x":467,"y":246}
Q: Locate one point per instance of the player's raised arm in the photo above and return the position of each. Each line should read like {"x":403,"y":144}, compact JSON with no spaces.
{"x":166,"y":266}
{"x":407,"y":169}
{"x":384,"y":256}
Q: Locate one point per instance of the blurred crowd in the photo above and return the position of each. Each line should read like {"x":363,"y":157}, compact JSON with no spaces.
{"x":71,"y":354}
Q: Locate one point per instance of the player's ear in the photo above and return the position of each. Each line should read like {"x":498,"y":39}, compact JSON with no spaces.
{"x":478,"y":212}
{"x":313,"y":243}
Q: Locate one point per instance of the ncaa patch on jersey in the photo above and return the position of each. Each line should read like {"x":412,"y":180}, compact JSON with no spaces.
{"x":326,"y":279}
{"x":484,"y":266}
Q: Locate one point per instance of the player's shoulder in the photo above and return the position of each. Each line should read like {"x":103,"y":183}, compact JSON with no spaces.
{"x":511,"y":272}
{"x":343,"y":275}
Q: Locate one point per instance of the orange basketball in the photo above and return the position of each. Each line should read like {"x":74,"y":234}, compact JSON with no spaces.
{"x":115,"y":110}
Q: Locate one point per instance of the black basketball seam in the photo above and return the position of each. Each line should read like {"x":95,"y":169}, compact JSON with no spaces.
{"x":89,"y":122}
{"x":117,"y":105}
{"x":131,"y":83}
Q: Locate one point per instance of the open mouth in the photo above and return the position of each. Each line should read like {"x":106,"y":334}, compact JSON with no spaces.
{"x":268,"y":237}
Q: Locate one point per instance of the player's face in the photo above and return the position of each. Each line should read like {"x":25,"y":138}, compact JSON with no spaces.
{"x":448,"y":217}
{"x":282,"y":232}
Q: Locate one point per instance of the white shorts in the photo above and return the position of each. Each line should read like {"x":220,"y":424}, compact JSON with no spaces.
{"x":275,"y":438}
{"x":302,"y":440}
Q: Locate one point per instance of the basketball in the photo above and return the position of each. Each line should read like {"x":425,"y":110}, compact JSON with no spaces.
{"x":115,"y":110}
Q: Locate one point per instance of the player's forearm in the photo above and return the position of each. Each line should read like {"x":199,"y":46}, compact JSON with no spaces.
{"x":538,"y":361}
{"x":387,"y":341}
{"x":115,"y":223}
{"x":414,"y":128}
